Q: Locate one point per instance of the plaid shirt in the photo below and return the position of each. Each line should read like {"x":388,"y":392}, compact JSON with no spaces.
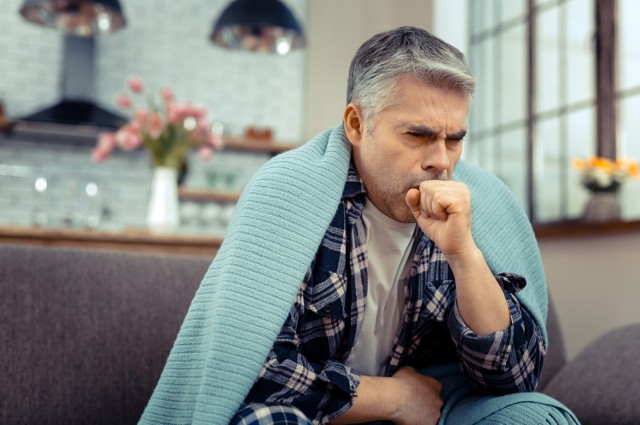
{"x":306,"y":367}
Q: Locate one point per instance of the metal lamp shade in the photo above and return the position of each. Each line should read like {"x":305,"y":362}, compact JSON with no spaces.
{"x":258,"y":25}
{"x":76,"y":17}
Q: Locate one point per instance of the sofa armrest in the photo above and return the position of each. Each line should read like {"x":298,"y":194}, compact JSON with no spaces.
{"x":601,"y":385}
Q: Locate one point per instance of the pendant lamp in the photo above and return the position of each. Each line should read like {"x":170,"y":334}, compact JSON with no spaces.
{"x":84,"y":18}
{"x":258,"y":25}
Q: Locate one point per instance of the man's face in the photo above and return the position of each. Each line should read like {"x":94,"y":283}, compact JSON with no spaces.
{"x":417,"y":137}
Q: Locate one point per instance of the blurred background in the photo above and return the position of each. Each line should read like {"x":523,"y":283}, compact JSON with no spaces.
{"x":557,"y":80}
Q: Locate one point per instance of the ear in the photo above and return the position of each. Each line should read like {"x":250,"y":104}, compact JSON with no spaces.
{"x":353,"y":123}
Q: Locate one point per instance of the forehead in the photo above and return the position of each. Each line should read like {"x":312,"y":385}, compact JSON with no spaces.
{"x":416,"y":102}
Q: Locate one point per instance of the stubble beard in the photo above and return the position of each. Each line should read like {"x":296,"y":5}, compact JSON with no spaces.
{"x":394,"y":199}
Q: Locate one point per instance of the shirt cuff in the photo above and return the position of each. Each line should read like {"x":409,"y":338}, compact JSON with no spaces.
{"x":489,"y":352}
{"x":347,"y":382}
{"x":342,"y":377}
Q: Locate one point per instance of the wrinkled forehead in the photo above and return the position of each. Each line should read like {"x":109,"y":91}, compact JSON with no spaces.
{"x":421,"y":104}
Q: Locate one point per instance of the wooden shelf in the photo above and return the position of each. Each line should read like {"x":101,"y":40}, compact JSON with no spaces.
{"x":573,"y":228}
{"x":87,"y":135}
{"x":256,"y":146}
{"x":207,"y":195}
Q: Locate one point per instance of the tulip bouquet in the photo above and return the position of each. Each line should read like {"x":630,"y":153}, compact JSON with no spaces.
{"x":605,"y":175}
{"x":168,"y":130}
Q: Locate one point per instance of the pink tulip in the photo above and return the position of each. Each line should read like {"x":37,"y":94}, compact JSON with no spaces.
{"x":123,"y":101}
{"x":134,"y":127}
{"x":128,"y":140}
{"x":140,"y":115}
{"x":202,"y":130}
{"x":106,"y":142}
{"x":136,"y":85}
{"x":197,"y":112}
{"x":204,"y":125}
{"x":189,"y":110}
{"x":205,"y":153}
{"x":178,"y":111}
{"x":216,"y":141}
{"x":190,"y":122}
{"x":155,"y":125}
{"x":99,"y":155}
{"x":167,"y":94}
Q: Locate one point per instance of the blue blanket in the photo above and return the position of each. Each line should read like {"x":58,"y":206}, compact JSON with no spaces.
{"x":246,"y":294}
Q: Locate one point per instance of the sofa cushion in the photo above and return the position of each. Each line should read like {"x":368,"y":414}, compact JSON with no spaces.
{"x":84,"y":335}
{"x":601,"y":384}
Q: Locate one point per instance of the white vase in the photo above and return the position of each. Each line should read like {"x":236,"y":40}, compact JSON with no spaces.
{"x":602,"y":207}
{"x":162,"y":215}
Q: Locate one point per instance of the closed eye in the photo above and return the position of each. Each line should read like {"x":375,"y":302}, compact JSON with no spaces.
{"x":421,"y":135}
{"x":453,"y":139}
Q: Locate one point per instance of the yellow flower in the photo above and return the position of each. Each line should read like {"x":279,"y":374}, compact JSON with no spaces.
{"x":604,"y":174}
{"x":579,"y":164}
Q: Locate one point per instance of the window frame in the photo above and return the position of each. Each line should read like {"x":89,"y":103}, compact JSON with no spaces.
{"x":605,"y":99}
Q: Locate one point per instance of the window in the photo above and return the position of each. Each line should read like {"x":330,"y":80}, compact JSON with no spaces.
{"x":547,"y":94}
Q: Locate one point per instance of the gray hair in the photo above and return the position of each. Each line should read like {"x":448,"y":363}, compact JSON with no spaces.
{"x":406,"y":51}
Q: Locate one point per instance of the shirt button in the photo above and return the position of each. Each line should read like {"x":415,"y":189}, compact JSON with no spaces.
{"x":327,"y":309}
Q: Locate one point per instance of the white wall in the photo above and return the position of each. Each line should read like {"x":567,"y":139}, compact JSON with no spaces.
{"x":336,"y":28}
{"x":29,"y":64}
{"x":450,"y":22}
{"x":166,"y":42}
{"x":595,"y":283}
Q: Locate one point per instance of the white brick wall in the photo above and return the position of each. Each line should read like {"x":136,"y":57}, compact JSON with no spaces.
{"x":166,"y":42}
{"x":29,"y":63}
{"x":123,"y":186}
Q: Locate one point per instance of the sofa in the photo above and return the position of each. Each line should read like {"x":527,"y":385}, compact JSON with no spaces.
{"x":84,"y":335}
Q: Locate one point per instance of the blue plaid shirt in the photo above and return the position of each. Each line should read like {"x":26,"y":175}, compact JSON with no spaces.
{"x":306,"y":367}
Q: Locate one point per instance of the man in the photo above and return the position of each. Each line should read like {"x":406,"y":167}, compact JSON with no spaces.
{"x":367,"y":226}
{"x":406,"y":118}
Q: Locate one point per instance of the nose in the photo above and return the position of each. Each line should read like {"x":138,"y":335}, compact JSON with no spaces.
{"x":435,"y":156}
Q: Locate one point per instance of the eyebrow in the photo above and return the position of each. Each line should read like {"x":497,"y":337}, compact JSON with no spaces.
{"x":425,"y":131}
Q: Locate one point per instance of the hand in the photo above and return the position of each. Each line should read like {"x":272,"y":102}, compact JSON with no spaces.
{"x":421,"y":396}
{"x":406,"y":398}
{"x":442,"y":209}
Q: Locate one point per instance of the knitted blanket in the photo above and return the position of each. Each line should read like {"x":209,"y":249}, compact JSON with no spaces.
{"x":277,"y":227}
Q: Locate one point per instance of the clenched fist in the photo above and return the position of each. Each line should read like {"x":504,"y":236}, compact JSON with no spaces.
{"x":442,"y":209}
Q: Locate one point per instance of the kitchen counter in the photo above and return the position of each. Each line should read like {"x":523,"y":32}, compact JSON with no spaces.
{"x":135,"y":240}
{"x":140,"y":240}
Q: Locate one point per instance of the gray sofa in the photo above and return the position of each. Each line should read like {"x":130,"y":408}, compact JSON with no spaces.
{"x":84,"y":336}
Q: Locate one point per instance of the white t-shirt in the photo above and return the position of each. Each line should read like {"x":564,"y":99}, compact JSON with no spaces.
{"x":389,"y":246}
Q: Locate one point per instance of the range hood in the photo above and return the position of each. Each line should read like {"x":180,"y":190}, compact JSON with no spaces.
{"x":77,"y":106}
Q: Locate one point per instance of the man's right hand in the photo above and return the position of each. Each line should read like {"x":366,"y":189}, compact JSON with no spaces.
{"x":421,"y":396}
{"x":406,"y":398}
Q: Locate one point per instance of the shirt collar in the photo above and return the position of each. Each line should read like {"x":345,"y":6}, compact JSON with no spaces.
{"x":354,"y":185}
{"x":354,"y":191}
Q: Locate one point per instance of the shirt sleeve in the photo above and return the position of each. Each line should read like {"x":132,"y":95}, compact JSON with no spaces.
{"x":322,"y":390}
{"x":507,"y":361}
